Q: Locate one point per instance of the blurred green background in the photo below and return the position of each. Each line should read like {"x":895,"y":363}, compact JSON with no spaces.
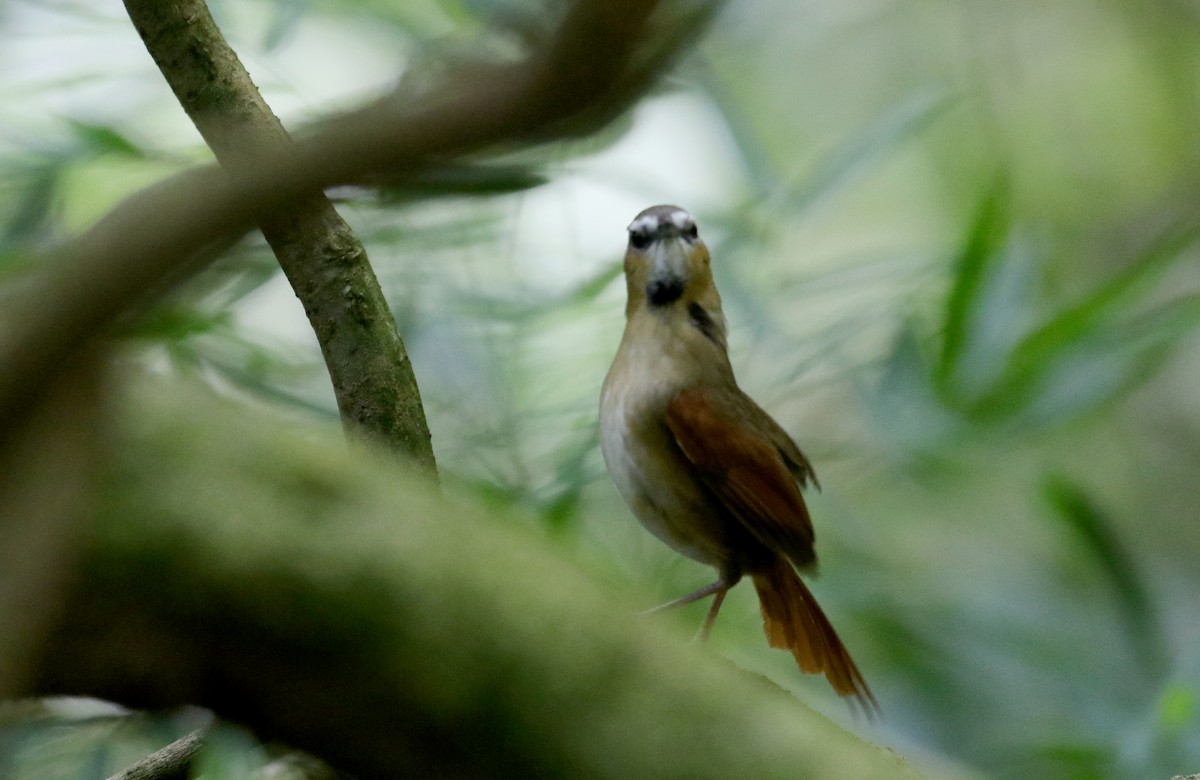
{"x":957,"y":247}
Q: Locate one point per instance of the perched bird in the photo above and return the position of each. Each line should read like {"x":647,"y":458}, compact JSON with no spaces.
{"x":699,"y":463}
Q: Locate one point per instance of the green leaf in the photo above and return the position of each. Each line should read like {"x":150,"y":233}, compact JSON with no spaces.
{"x":571,"y":477}
{"x":1117,"y":357}
{"x":901,"y":123}
{"x":903,"y":403}
{"x":258,"y":371}
{"x":463,"y":179}
{"x":1063,"y":339}
{"x":523,"y":307}
{"x":1068,"y":761}
{"x":444,"y":233}
{"x":285,"y":21}
{"x":1177,"y":707}
{"x":588,"y":290}
{"x":1093,"y":528}
{"x":229,"y":753}
{"x":173,"y":321}
{"x":39,"y":195}
{"x":103,"y":139}
{"x":96,"y":762}
{"x":979,"y":258}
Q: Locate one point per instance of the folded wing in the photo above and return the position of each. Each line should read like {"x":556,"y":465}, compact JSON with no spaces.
{"x":738,"y":453}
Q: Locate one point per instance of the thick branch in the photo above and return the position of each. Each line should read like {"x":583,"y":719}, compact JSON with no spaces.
{"x":47,"y":466}
{"x":325,"y":263}
{"x":148,"y":241}
{"x":353,"y":614}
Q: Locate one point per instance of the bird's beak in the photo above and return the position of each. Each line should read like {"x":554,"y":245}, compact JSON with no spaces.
{"x":668,"y":274}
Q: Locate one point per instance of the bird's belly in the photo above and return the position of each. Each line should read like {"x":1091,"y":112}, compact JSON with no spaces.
{"x":654,"y":478}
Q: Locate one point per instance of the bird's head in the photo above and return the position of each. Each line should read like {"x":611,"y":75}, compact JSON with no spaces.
{"x":666,"y":263}
{"x":668,"y":272}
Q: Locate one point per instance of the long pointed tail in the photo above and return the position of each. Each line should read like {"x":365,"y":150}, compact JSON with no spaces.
{"x":794,"y":621}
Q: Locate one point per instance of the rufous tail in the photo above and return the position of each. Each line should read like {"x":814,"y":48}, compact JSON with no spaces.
{"x":794,"y":621}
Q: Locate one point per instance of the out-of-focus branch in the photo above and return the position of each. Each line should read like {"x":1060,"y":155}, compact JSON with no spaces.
{"x":47,"y":467}
{"x":258,"y":573}
{"x":325,"y":263}
{"x":593,"y":65}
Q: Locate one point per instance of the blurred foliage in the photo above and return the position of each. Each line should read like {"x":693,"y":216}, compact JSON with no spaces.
{"x":957,"y":251}
{"x":76,"y":739}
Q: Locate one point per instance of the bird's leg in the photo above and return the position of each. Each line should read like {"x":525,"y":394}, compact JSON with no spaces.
{"x":716,"y":587}
{"x":720,"y":588}
{"x":711,"y":617}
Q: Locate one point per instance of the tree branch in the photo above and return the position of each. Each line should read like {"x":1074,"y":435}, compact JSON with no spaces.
{"x":594,"y":65}
{"x":346,"y":611}
{"x":325,"y":263}
{"x":47,"y":467}
{"x":173,"y":762}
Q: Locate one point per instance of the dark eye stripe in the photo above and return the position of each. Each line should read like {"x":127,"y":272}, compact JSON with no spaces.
{"x":703,"y":321}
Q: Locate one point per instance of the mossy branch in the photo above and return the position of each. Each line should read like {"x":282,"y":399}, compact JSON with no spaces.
{"x":325,"y":601}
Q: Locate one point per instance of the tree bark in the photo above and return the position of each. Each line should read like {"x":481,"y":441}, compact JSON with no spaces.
{"x":325,"y":263}
{"x":173,"y":762}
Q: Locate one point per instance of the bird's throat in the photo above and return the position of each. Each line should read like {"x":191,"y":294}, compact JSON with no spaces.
{"x":664,"y":291}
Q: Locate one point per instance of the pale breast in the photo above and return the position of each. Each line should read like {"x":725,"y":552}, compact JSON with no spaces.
{"x":650,"y":471}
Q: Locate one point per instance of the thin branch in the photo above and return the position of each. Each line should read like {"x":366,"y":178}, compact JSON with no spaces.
{"x":173,"y":762}
{"x":325,"y":263}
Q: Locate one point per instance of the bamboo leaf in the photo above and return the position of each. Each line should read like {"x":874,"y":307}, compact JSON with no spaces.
{"x":1093,"y":528}
{"x":1066,"y":337}
{"x":588,"y":290}
{"x":464,"y":179}
{"x":904,"y":403}
{"x":901,"y":123}
{"x":104,"y":139}
{"x":36,"y":205}
{"x":978,"y":260}
{"x":285,"y":21}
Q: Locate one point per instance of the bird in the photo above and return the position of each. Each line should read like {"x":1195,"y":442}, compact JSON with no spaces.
{"x":701,"y":465}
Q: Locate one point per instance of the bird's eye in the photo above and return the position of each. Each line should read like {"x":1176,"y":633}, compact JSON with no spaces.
{"x":639,"y":239}
{"x":691,"y":232}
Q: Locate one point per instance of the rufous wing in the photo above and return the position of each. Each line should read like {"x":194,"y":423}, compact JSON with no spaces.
{"x":753,"y":467}
{"x":722,"y":433}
